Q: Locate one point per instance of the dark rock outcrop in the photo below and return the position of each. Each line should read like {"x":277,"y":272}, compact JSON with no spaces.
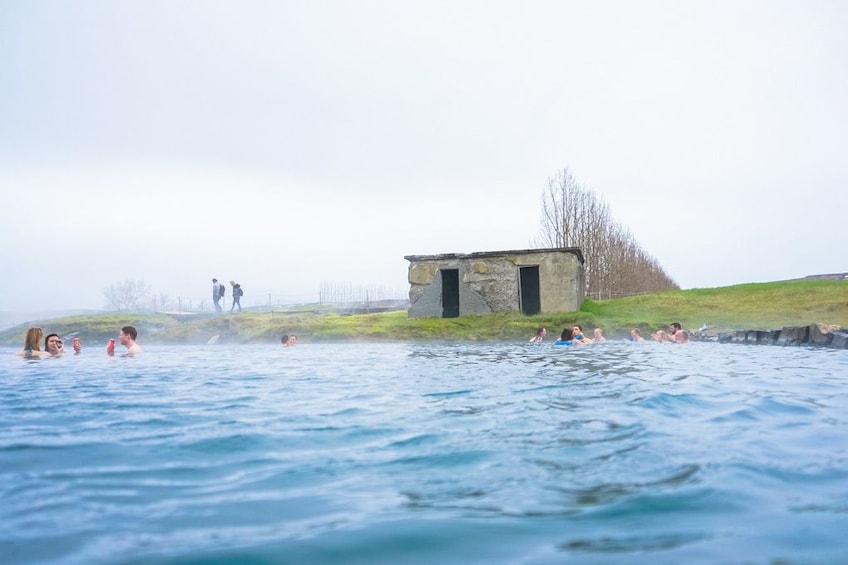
{"x":817,"y":335}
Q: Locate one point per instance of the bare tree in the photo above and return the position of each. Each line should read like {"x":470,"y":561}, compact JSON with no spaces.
{"x":573,"y":216}
{"x":126,"y":295}
{"x":160,"y":303}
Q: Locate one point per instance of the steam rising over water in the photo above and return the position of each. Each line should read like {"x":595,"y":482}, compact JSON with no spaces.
{"x":425,"y":453}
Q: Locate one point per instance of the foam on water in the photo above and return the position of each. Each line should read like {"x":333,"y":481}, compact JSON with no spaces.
{"x":423,"y":453}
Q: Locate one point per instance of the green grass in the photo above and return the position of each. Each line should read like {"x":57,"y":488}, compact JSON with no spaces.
{"x":746,"y":306}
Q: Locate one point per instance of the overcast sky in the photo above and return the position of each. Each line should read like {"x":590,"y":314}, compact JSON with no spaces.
{"x":288,"y":145}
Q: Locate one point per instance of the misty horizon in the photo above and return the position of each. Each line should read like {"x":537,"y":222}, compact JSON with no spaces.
{"x":285,"y":145}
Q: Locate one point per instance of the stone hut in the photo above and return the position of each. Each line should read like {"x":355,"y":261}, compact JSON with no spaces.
{"x":530,"y":281}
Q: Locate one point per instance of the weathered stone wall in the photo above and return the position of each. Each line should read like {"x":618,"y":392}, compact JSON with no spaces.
{"x":493,"y":280}
{"x":480,"y":291}
{"x":561,"y":281}
{"x":489,"y":281}
{"x":425,"y":294}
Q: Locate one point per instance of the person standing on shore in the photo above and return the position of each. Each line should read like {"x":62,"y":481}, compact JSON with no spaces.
{"x":218,"y":291}
{"x":237,"y":294}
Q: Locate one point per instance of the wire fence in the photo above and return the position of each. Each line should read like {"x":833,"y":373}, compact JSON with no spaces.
{"x":329,"y":294}
{"x":347,"y":293}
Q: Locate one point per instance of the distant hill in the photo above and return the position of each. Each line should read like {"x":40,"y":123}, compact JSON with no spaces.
{"x":830,"y":277}
{"x":751,"y":306}
{"x":11,"y":319}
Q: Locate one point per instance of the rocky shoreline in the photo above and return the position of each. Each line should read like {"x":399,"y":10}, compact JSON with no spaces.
{"x":815,"y":335}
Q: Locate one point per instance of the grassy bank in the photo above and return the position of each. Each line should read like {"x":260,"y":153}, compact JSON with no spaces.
{"x":747,"y":306}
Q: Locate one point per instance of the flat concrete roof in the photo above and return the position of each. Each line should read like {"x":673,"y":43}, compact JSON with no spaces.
{"x":482,"y":254}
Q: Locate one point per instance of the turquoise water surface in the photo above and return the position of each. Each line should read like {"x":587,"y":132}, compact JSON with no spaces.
{"x":426,"y":453}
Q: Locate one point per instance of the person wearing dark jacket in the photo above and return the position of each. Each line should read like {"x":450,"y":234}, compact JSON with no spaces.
{"x":237,"y":292}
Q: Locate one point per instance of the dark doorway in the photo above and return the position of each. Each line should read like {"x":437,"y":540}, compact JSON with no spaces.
{"x":529,"y":290}
{"x":450,"y":293}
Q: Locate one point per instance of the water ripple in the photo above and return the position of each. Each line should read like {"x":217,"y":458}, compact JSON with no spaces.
{"x":449,"y":453}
